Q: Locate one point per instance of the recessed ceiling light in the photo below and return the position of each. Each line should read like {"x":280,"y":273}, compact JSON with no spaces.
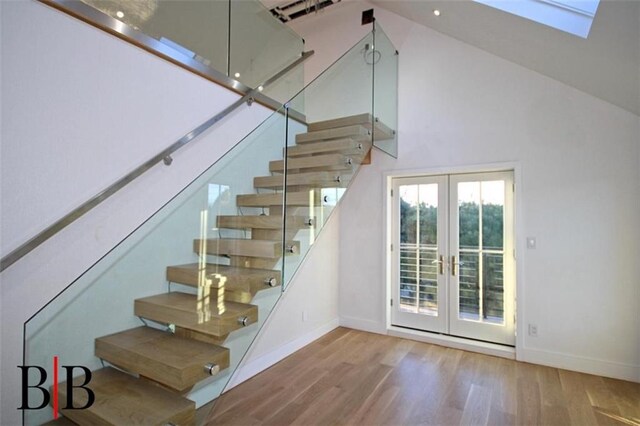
{"x":436,"y":12}
{"x":120,"y":14}
{"x":237,"y":75}
{"x":260,"y":88}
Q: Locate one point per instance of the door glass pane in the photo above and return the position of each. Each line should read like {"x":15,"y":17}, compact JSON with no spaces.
{"x":481,"y":251}
{"x":492,"y":215}
{"x":418,"y":249}
{"x":468,"y":209}
{"x":493,"y":200}
{"x":469,"y":239}
{"x":493,"y":287}
{"x":469,"y":293}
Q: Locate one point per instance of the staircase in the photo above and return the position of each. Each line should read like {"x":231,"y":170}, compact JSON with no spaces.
{"x":153,"y":367}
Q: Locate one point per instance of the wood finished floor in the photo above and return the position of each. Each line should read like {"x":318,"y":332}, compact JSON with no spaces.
{"x":350,"y":377}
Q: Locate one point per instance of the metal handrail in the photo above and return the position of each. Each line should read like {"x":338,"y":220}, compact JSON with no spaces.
{"x":164,"y":155}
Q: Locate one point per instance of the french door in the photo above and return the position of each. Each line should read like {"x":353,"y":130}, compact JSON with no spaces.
{"x":453,"y":255}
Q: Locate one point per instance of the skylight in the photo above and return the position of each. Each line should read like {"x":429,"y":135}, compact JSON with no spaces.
{"x":571,"y":16}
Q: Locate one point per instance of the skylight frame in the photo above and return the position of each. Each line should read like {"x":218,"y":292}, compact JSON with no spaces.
{"x":571,"y":16}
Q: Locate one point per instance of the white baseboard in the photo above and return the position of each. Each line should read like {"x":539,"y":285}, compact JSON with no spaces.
{"x":454,"y":342}
{"x":261,"y":363}
{"x":587,"y":365}
{"x":599,"y":367}
{"x":362,"y":324}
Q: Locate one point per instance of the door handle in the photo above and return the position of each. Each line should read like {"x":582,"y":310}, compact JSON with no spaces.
{"x":440,"y":264}
{"x":453,"y":265}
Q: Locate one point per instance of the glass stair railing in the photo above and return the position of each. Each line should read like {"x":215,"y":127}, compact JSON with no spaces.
{"x":165,"y":318}
{"x":269,"y":45}
{"x":240,"y":40}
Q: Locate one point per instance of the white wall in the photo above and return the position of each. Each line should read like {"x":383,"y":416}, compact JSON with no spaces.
{"x":80,"y":109}
{"x":578,"y":192}
{"x":314,"y":290}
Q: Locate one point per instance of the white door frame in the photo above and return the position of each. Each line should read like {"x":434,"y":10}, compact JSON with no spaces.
{"x":519,"y":245}
{"x":419,"y":321}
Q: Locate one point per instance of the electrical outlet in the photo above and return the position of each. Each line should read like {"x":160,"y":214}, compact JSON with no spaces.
{"x":533,"y":330}
{"x":305,"y":316}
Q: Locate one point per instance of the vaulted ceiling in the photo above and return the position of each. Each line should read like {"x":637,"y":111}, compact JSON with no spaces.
{"x":605,"y":65}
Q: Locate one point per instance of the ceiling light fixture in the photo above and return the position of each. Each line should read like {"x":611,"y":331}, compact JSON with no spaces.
{"x":120,"y":14}
{"x":237,"y":75}
{"x":436,"y":12}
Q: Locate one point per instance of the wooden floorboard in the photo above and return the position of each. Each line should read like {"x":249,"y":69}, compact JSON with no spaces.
{"x":350,"y":377}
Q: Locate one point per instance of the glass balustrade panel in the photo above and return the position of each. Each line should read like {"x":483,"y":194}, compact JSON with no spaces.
{"x":199,"y":29}
{"x":199,"y":251}
{"x":260,"y":46}
{"x":240,"y":38}
{"x":385,"y":100}
{"x":323,"y":159}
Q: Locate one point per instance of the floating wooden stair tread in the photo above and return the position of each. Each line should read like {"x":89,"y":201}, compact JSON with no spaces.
{"x":242,"y":247}
{"x":260,"y":222}
{"x":298,"y":198}
{"x":352,"y":120}
{"x":347,"y":146}
{"x":122,"y":399}
{"x":174,"y":361}
{"x":381,"y":131}
{"x":328,"y":161}
{"x":312,"y":179}
{"x":210,"y":314}
{"x":221,"y":276}
{"x":357,"y":131}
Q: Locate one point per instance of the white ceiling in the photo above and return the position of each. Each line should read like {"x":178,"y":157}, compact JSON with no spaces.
{"x":606,"y":64}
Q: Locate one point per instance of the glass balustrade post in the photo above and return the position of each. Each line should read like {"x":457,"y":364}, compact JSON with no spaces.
{"x":285,"y":173}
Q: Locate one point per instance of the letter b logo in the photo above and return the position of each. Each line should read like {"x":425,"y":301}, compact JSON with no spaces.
{"x":71,"y":387}
{"x":91,"y":397}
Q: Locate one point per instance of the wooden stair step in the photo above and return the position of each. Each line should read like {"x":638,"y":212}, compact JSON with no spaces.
{"x":312,"y":179}
{"x":242,"y":247}
{"x":358,"y":132}
{"x":260,"y":222}
{"x":207,"y":314}
{"x":297,"y":198}
{"x":61,"y":421}
{"x":171,"y":360}
{"x":328,"y":161}
{"x":352,"y":120}
{"x":346,"y":146}
{"x":381,"y":131}
{"x":221,"y":276}
{"x":122,"y":399}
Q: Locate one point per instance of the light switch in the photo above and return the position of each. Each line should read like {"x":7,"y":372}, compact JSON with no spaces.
{"x":531,"y":243}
